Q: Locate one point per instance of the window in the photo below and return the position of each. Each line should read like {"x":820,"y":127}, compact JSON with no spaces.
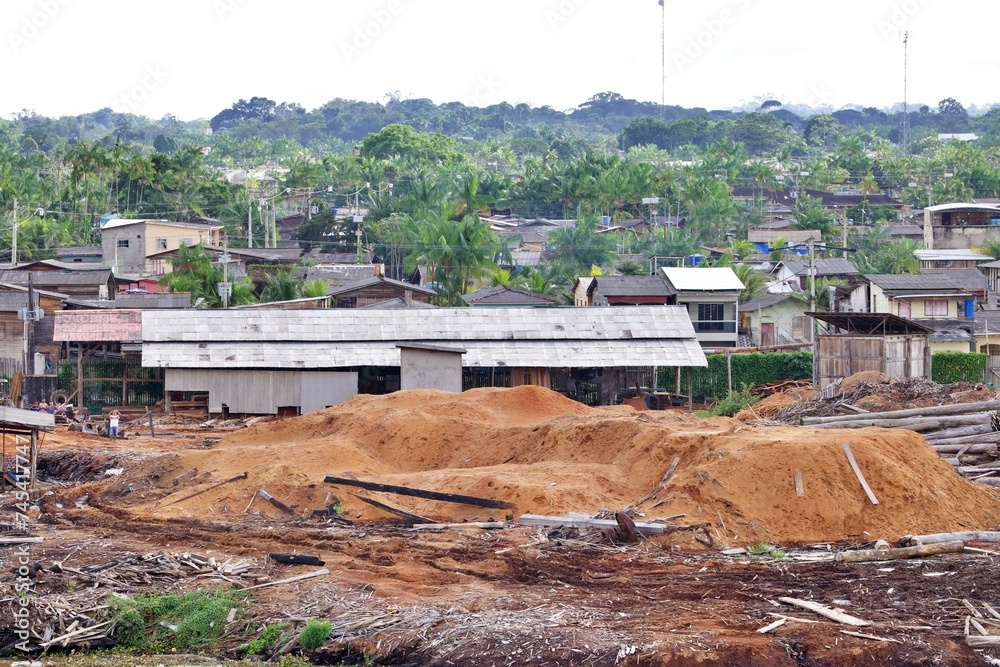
{"x":710,"y":316}
{"x":936,"y":308}
{"x":122,"y":243}
{"x":161,"y":244}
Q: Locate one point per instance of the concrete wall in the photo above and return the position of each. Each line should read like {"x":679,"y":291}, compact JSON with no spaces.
{"x":263,"y":392}
{"x":428,"y":369}
{"x":130,"y":260}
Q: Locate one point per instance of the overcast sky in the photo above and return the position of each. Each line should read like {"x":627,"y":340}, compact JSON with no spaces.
{"x":193,"y":58}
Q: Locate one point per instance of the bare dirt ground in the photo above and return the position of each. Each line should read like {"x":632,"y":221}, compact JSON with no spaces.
{"x":536,"y":596}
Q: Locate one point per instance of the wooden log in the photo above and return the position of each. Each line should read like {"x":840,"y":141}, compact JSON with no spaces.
{"x":981,"y":448}
{"x":420,"y":493}
{"x":828,"y":612}
{"x":482,"y":525}
{"x":992,"y":641}
{"x":967,"y":536}
{"x":772,"y":626}
{"x":21,"y":540}
{"x":974,"y":439}
{"x":416,"y":518}
{"x":185,"y":476}
{"x":916,"y":425}
{"x":973,"y":470}
{"x":264,"y":495}
{"x":989,"y":481}
{"x":211,"y":488}
{"x":959,"y":432}
{"x":859,"y":474}
{"x":307,"y":575}
{"x":579,"y":522}
{"x":295,"y":559}
{"x":868,"y":555}
{"x":955,"y":409}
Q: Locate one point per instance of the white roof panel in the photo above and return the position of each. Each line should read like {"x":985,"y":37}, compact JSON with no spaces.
{"x":702,"y":279}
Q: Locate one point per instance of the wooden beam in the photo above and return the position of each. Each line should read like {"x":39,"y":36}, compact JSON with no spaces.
{"x":420,"y":493}
{"x":859,"y":474}
{"x":954,"y":409}
{"x":580,"y":522}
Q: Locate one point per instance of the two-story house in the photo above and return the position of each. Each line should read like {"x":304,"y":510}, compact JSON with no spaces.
{"x":711,"y":296}
{"x":127,"y":245}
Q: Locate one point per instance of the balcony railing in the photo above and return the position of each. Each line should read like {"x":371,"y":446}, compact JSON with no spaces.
{"x":714,"y":326}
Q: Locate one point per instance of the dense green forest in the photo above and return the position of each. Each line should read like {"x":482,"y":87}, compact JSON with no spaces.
{"x":425,"y":172}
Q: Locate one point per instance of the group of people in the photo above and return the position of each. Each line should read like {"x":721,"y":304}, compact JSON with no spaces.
{"x":44,"y":406}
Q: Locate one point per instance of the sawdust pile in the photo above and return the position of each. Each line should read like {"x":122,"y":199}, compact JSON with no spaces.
{"x":549,"y":455}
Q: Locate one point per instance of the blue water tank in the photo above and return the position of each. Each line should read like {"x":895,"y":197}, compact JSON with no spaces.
{"x":970,"y":308}
{"x":695,"y":260}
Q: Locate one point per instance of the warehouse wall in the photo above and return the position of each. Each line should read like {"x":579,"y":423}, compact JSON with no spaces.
{"x":263,"y":392}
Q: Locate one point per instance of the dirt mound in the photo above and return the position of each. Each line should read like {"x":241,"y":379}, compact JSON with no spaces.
{"x":549,"y":455}
{"x":874,"y":404}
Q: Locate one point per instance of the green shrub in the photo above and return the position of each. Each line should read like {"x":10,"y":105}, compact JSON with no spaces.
{"x":951,"y":367}
{"x":187,"y":623}
{"x":314,"y":634}
{"x":734,"y":402}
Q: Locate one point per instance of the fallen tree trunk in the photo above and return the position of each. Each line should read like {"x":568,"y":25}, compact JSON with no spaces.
{"x":933,"y":538}
{"x":956,"y":409}
{"x":420,"y":493}
{"x":867,"y":555}
{"x":989,"y":481}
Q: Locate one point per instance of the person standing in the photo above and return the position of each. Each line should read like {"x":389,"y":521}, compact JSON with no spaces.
{"x":113,"y":418}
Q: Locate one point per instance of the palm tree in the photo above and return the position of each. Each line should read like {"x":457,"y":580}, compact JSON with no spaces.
{"x":197,"y":272}
{"x":281,"y":286}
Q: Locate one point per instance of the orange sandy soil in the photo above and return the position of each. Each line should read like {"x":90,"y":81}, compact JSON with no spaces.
{"x":670,"y":597}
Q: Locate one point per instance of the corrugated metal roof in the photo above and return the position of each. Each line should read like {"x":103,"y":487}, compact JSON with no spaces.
{"x":702,"y":280}
{"x":834,"y":266}
{"x":346,"y":288}
{"x":56,"y":278}
{"x":943,"y":280}
{"x":957,"y":254}
{"x":125,"y":222}
{"x":397,"y":304}
{"x":765,"y":301}
{"x":962,"y":207}
{"x":11,"y":302}
{"x":633,"y":286}
{"x":501,"y":295}
{"x":577,"y":337}
{"x":479,"y":354}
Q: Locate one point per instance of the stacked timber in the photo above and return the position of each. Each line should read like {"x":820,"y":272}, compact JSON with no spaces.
{"x":966,"y":435}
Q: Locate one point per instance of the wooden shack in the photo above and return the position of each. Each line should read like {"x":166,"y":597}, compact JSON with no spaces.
{"x":881,"y":342}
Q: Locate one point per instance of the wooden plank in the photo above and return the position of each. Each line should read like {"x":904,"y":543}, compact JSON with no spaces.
{"x":772,"y":626}
{"x":264,"y":495}
{"x":800,"y":489}
{"x":578,"y":522}
{"x":420,"y":493}
{"x":828,"y":612}
{"x":214,"y":486}
{"x":416,"y":518}
{"x":859,"y":474}
{"x":185,"y":476}
{"x":872,"y":637}
{"x":992,"y":641}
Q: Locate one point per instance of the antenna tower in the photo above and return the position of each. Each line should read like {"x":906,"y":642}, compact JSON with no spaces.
{"x":904,"y":134}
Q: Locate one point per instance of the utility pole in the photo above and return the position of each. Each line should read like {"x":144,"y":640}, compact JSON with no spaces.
{"x":249,"y":219}
{"x":904,"y":134}
{"x":843,"y":236}
{"x":812,"y":289}
{"x":13,"y":239}
{"x":663,"y":59}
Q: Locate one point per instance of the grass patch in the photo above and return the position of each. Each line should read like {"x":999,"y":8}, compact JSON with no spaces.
{"x":266,"y":640}
{"x":767,"y":549}
{"x":189,"y":622}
